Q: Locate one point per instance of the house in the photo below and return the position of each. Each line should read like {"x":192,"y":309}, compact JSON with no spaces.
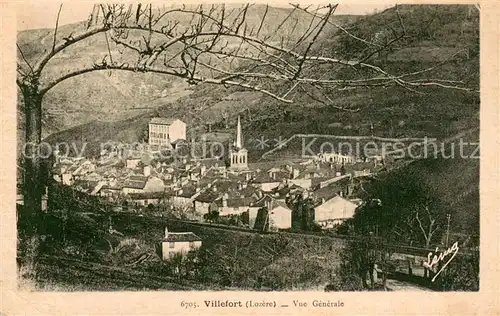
{"x":179,"y":243}
{"x":233,"y":206}
{"x":280,"y":216}
{"x":334,"y":211}
{"x":303,"y":183}
{"x":286,"y":189}
{"x":98,"y":188}
{"x":205,"y":202}
{"x":154,"y":184}
{"x":178,"y":143}
{"x":63,"y":172}
{"x":86,"y":167}
{"x":165,"y":131}
{"x":144,"y":199}
{"x":67,"y":178}
{"x":318,"y":170}
{"x":324,"y":182}
{"x":270,"y":211}
{"x":134,"y":184}
{"x":141,"y":184}
{"x":267,"y":181}
{"x":337,"y":158}
{"x":132,"y":163}
{"x":184,"y":197}
{"x":110,"y":191}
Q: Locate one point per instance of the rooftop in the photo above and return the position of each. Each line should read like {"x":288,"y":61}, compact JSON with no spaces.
{"x":327,"y":192}
{"x":163,"y":120}
{"x":268,"y":200}
{"x":236,"y":202}
{"x":264,"y":177}
{"x":147,"y":195}
{"x":188,"y":191}
{"x":207,"y":197}
{"x":135,"y":182}
{"x":181,"y":237}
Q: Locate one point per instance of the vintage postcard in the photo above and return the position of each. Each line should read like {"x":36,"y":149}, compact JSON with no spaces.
{"x":249,"y":158}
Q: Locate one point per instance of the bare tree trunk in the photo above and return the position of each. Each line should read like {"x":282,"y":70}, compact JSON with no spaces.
{"x":34,"y":178}
{"x":427,"y":272}
{"x":370,"y":274}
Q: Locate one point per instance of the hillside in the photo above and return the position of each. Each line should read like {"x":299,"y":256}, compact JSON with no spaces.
{"x":394,"y":112}
{"x":89,"y":258}
{"x":453,"y":176}
{"x":120,"y":95}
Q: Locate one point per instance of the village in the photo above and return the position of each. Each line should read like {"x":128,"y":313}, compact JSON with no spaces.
{"x":229,"y":190}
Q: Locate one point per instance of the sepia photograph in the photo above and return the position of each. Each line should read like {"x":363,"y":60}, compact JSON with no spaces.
{"x":248,"y":147}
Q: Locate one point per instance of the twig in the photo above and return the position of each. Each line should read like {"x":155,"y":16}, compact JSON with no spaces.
{"x":109,"y":48}
{"x":401,"y":20}
{"x":24,"y":58}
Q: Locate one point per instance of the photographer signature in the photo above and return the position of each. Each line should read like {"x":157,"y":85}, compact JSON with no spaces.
{"x":437,"y":258}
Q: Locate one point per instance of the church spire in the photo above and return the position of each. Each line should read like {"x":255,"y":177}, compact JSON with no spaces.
{"x":239,"y":142}
{"x":238,"y":154}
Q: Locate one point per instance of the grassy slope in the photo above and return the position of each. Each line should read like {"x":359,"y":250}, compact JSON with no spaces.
{"x":251,"y":261}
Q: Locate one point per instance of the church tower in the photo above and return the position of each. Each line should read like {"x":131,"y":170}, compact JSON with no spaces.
{"x":238,"y":154}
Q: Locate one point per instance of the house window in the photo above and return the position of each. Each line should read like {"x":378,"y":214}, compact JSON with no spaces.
{"x":171,"y":244}
{"x":191,"y":244}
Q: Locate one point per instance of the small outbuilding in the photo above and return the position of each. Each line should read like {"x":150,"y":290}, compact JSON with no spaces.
{"x":182,"y":243}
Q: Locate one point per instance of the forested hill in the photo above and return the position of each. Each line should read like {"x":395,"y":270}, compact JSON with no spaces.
{"x":444,"y":38}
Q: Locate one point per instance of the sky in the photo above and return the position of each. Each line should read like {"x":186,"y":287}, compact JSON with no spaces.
{"x":42,"y":14}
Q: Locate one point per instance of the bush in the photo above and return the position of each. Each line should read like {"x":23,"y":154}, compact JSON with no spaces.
{"x":342,"y":229}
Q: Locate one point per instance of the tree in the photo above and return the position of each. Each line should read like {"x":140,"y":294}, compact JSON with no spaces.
{"x":303,"y":213}
{"x":358,"y":259}
{"x":262,"y":219}
{"x":401,"y":208}
{"x":145,"y":39}
{"x":144,"y":135}
{"x":211,"y":216}
{"x":462,"y":274}
{"x":151,"y":208}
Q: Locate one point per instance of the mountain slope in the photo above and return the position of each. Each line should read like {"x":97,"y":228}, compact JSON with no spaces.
{"x":120,"y":95}
{"x":394,"y":111}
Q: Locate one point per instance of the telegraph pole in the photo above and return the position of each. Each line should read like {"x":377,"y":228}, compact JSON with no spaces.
{"x":448,"y":216}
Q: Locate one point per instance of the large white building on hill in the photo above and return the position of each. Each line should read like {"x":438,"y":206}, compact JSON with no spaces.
{"x":165,"y":131}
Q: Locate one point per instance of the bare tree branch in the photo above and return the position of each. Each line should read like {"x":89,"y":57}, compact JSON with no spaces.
{"x":24,"y":58}
{"x":188,"y":52}
{"x":262,"y":20}
{"x":421,"y":227}
{"x":331,"y":10}
{"x":57,"y":26}
{"x":401,"y":20}
{"x":337,"y":26}
{"x":159,"y":71}
{"x":68,"y":42}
